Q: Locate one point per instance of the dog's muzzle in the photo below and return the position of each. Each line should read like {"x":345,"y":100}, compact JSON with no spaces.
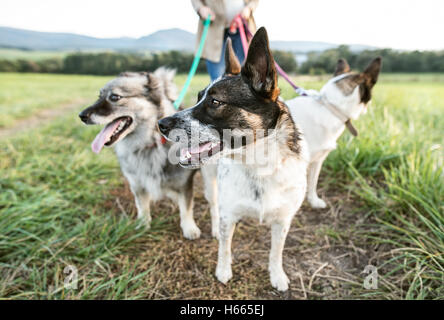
{"x":85,"y":116}
{"x":166,"y":125}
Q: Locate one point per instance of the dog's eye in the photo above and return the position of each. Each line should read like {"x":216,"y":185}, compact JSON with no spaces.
{"x":215,"y":103}
{"x":114,"y":97}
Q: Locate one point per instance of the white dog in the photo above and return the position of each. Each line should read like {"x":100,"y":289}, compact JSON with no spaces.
{"x":324,"y":116}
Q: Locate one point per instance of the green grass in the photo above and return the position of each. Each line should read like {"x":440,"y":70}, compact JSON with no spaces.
{"x":396,"y":167}
{"x":24,"y":95}
{"x":52,"y":189}
{"x":57,"y":205}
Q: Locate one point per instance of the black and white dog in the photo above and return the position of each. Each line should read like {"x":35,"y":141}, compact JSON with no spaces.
{"x":129,"y":106}
{"x":242,"y":106}
{"x":324,"y":116}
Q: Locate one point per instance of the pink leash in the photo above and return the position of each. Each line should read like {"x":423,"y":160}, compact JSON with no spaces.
{"x":240,"y":24}
{"x":244,"y":32}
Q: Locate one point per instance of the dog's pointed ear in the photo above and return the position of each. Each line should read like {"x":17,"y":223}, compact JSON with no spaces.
{"x":371,"y":73}
{"x":232,"y":65}
{"x":152,"y":82}
{"x":342,"y":67}
{"x":153,"y":85}
{"x":259,"y":70}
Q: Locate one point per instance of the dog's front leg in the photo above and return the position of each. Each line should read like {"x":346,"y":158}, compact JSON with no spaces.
{"x":226,"y":230}
{"x":143,"y":207}
{"x":209,"y":174}
{"x":279,"y":279}
{"x":312,"y":176}
{"x":189,"y":228}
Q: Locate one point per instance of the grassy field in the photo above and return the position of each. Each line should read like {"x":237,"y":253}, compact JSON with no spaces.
{"x":61,"y":205}
{"x":23,"y":96}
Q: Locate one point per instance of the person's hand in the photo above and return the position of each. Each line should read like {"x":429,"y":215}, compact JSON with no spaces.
{"x":246,"y":13}
{"x":204,"y":11}
{"x":233,"y":26}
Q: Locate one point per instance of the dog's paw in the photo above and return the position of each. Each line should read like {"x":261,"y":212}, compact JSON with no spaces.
{"x":190,"y":231}
{"x":223,"y":274}
{"x":317,"y":203}
{"x":279,"y":280}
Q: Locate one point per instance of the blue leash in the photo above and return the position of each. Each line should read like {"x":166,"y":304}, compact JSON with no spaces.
{"x":194,"y":65}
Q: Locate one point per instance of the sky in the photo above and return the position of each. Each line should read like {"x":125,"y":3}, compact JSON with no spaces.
{"x":400,"y":24}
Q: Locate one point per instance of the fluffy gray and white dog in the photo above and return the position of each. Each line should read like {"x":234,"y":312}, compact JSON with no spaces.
{"x":129,"y":106}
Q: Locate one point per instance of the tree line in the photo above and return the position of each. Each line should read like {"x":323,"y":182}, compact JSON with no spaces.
{"x":103,"y":63}
{"x":393,"y":60}
{"x":112,"y":63}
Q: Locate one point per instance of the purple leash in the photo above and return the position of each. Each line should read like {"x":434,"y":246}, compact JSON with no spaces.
{"x":299,"y":90}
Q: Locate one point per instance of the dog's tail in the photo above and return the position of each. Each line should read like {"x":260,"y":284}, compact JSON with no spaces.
{"x":166,"y":77}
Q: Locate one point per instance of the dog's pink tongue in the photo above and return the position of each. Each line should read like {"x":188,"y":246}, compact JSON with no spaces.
{"x":104,"y":136}
{"x":201,"y":148}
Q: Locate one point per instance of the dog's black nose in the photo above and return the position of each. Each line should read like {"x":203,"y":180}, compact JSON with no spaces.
{"x":84,"y":116}
{"x":166,"y":124}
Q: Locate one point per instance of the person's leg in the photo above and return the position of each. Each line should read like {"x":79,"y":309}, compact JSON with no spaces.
{"x":237,"y":46}
{"x":215,"y":69}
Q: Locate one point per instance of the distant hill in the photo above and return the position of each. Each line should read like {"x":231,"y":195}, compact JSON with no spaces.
{"x":172,"y":39}
{"x":163,"y":40}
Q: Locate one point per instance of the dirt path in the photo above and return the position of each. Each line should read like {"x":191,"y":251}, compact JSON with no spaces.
{"x":325,"y":253}
{"x":41,"y":118}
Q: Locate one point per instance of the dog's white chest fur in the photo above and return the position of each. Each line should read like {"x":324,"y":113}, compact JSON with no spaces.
{"x":271,"y":197}
{"x":268,"y":197}
{"x":143,"y":167}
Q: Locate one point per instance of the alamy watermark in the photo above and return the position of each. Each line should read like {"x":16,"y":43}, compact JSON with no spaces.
{"x":70,"y":281}
{"x":257,"y":147}
{"x":371,"y":281}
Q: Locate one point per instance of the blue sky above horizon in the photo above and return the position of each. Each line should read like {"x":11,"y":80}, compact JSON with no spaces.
{"x":408,"y":24}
